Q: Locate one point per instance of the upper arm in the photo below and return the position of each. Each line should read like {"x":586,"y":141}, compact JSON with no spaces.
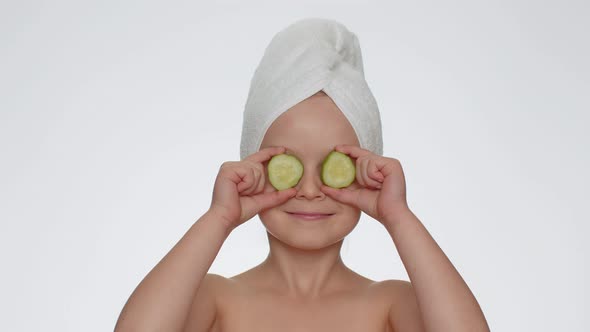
{"x":404,"y":314}
{"x":203,"y":311}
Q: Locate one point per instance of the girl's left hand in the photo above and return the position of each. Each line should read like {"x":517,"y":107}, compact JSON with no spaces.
{"x":382,"y":192}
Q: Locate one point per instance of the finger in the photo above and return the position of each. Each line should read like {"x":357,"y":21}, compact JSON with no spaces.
{"x":265,"y":154}
{"x":261,"y":181}
{"x":367,"y":172}
{"x":352,"y":150}
{"x":359,"y":174}
{"x":346,"y":196}
{"x":374,"y":172}
{"x":271,"y":199}
{"x":254,"y":186}
{"x":247,"y":180}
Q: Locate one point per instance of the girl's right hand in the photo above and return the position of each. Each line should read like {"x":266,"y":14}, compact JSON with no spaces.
{"x":238,"y":194}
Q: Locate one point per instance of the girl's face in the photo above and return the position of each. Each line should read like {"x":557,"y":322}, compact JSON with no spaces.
{"x":310,"y":130}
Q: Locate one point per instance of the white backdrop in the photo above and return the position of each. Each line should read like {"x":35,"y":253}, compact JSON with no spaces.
{"x":115,"y":117}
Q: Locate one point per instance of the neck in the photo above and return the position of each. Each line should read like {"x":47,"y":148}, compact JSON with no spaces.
{"x":304,"y":273}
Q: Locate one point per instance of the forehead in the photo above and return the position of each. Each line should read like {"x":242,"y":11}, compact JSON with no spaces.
{"x":313,"y":126}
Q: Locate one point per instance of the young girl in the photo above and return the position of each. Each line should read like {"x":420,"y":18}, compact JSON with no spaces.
{"x":303,"y":284}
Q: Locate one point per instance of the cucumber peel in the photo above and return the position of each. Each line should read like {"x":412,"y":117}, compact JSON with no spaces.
{"x":284,"y":171}
{"x":338,"y":170}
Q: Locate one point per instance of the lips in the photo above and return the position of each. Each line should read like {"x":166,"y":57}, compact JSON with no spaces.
{"x":310,"y":214}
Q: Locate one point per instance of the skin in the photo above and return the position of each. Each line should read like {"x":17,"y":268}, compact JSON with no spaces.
{"x":303,"y":281}
{"x":304,"y":259}
{"x":303,"y":285}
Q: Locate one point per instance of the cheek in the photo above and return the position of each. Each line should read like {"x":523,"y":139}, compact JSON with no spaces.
{"x":353,"y":214}
{"x":271,"y":216}
{"x":272,"y":220}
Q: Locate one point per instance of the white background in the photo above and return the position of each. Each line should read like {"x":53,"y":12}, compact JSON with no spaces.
{"x":115,"y":117}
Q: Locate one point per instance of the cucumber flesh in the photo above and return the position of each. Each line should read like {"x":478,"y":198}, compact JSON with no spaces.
{"x":284,"y":171}
{"x":338,"y":170}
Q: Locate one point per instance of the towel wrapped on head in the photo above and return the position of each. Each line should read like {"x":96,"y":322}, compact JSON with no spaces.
{"x":307,"y":56}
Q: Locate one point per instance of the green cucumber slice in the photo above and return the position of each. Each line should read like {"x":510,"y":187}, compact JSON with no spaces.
{"x":338,"y":170}
{"x":284,"y":171}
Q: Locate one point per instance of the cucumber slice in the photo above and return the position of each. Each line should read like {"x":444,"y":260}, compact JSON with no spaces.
{"x":338,"y":170}
{"x":284,"y":171}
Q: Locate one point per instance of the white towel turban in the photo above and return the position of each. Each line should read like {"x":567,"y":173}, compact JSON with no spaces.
{"x":310,"y":55}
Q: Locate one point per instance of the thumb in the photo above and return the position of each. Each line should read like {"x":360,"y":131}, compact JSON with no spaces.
{"x":346,"y":196}
{"x":271,"y":199}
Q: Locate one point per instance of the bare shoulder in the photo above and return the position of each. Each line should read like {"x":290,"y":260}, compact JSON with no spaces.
{"x":404,"y":313}
{"x":204,"y":310}
{"x":394,"y":284}
{"x":215,"y":280}
{"x":392,"y":291}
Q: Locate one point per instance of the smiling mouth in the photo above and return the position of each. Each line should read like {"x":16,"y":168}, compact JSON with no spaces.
{"x":310,"y":216}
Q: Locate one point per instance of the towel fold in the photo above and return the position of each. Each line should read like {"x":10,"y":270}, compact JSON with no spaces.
{"x":307,"y":56}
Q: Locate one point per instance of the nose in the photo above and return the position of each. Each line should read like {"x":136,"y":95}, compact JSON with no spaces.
{"x":309,"y":186}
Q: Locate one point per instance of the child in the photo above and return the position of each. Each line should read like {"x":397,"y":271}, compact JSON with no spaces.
{"x":303,"y":284}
